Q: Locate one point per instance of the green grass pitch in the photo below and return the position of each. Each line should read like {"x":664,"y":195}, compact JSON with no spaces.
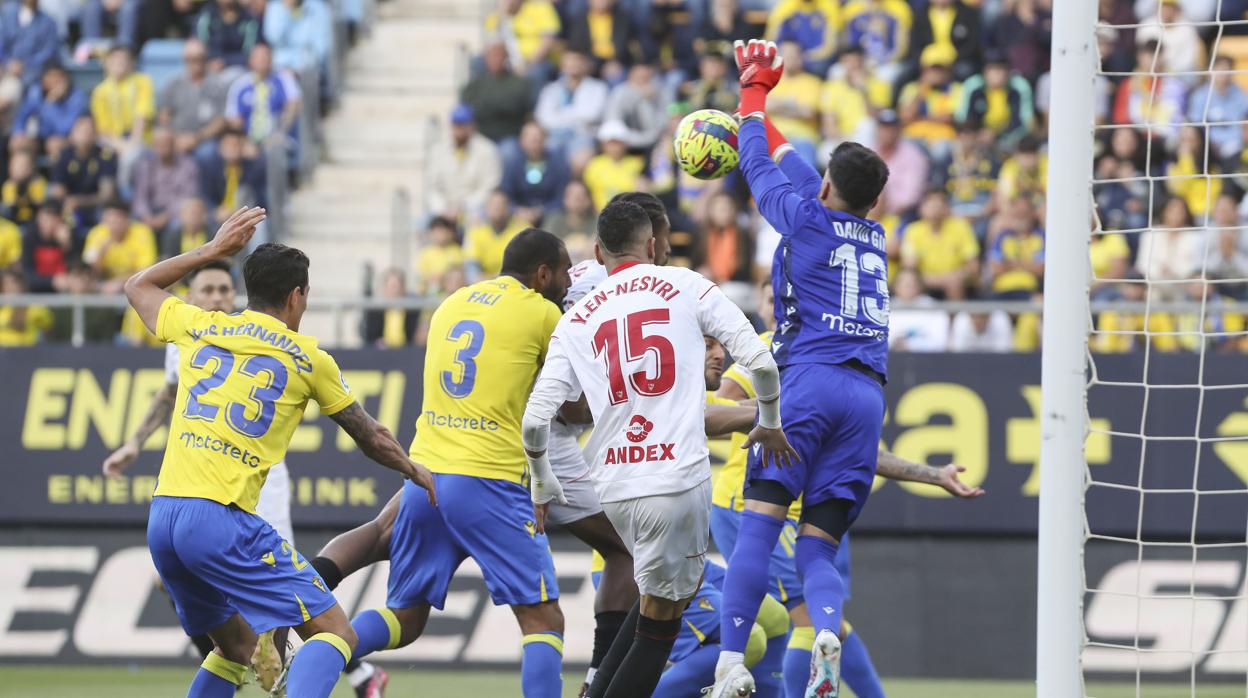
{"x":122,"y":682}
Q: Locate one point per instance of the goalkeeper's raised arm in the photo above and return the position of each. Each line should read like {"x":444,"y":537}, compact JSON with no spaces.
{"x":780,"y":181}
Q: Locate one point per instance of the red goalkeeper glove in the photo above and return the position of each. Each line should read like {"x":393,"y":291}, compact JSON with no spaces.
{"x":760,"y":67}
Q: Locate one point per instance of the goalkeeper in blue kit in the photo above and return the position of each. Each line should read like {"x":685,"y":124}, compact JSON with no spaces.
{"x":830,"y":278}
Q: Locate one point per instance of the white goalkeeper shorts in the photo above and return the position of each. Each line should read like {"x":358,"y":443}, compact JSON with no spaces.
{"x":569,"y":465}
{"x":274,"y":504}
{"x":668,"y":536}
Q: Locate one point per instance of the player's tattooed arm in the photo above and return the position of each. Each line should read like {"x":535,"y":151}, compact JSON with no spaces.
{"x":156,"y":417}
{"x":894,"y":467}
{"x":376,"y":441}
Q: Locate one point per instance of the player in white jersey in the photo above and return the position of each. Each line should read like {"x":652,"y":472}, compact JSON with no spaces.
{"x":211,"y":287}
{"x":582,"y":515}
{"x":634,"y":347}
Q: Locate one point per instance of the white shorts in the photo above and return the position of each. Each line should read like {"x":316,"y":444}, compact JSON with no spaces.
{"x":569,"y":465}
{"x":274,"y":504}
{"x":668,"y":536}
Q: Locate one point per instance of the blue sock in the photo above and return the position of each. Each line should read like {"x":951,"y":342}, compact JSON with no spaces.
{"x":797,"y":661}
{"x":687,"y":677}
{"x":316,"y":666}
{"x":217,"y":677}
{"x":768,"y":671}
{"x":541,"y":664}
{"x":857,"y":671}
{"x":746,"y":580}
{"x":378,"y":629}
{"x":821,"y":583}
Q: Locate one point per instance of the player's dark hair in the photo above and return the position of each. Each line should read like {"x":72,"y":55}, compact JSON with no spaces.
{"x":530,"y":249}
{"x":216,"y":264}
{"x":858,"y":174}
{"x":623,"y":225}
{"x":271,"y":272}
{"x":649,"y":203}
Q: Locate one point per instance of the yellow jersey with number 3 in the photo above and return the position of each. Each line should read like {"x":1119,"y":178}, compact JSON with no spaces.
{"x":486,"y":345}
{"x":244,"y":380}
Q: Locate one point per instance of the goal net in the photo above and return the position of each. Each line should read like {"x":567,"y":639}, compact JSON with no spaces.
{"x":1150,"y":106}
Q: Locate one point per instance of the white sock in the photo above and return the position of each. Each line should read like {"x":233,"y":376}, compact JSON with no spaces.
{"x":727,"y":660}
{"x":589,"y":675}
{"x":360,"y":675}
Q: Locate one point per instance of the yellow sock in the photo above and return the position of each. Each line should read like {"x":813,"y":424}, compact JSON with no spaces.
{"x":230,"y":671}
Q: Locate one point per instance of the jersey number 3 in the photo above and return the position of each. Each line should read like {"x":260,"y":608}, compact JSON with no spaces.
{"x":264,"y":395}
{"x":465,"y":358}
{"x":636,"y":346}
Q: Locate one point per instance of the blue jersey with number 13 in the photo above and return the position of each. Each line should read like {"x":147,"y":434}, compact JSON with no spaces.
{"x":830,"y":272}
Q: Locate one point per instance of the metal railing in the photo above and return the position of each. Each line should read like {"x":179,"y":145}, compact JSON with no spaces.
{"x":341,"y":307}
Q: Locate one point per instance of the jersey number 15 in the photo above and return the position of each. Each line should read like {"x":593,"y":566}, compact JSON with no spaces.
{"x":636,"y":346}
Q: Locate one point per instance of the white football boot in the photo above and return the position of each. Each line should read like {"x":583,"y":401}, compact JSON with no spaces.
{"x":825,"y":666}
{"x":738,"y":682}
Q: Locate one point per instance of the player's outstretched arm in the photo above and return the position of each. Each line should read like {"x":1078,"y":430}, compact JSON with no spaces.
{"x":805,"y":178}
{"x":157,"y":416}
{"x":376,"y":441}
{"x":895,"y":467}
{"x":760,"y":70}
{"x":146,"y":289}
{"x":722,"y":420}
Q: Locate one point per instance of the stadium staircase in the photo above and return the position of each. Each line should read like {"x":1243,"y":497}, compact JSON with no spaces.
{"x":398,"y":78}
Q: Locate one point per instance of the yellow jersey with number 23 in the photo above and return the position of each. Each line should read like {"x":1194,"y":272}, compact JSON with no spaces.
{"x":486,"y":345}
{"x":244,"y":380}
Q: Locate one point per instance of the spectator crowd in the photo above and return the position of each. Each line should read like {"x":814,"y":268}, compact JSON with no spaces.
{"x":570,"y":102}
{"x":131,"y":127}
{"x":573,"y":101}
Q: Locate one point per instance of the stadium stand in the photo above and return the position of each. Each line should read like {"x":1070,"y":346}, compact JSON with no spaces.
{"x":953,"y":93}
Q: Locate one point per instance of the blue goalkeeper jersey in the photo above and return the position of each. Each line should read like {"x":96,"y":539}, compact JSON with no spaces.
{"x":830,"y":272}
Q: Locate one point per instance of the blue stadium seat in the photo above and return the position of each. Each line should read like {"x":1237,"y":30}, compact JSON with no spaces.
{"x":86,"y":76}
{"x":161,"y":59}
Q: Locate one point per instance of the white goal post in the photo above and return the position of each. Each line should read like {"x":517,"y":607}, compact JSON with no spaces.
{"x":1157,"y":551}
{"x":1059,"y":598}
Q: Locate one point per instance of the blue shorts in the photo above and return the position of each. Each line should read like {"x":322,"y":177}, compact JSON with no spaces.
{"x":833,"y":416}
{"x":218,"y":560}
{"x":782,"y":569}
{"x":490,"y":521}
{"x":700,"y":622}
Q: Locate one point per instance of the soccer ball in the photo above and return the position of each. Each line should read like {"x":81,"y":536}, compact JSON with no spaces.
{"x":706,"y":144}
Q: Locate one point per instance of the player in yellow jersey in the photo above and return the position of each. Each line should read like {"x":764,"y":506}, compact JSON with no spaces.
{"x":244,"y":380}
{"x":486,"y":344}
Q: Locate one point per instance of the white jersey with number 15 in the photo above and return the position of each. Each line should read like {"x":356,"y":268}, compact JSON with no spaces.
{"x":634,"y":346}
